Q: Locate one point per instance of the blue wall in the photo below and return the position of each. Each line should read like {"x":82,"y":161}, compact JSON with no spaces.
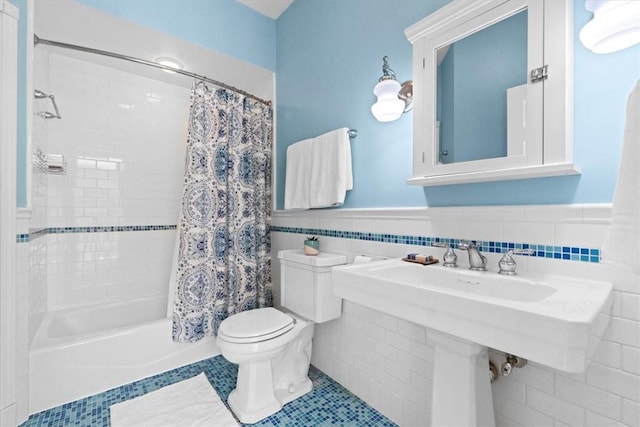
{"x":329,"y":58}
{"x":222,"y":25}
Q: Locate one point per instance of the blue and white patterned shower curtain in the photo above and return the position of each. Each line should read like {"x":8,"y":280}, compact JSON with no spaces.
{"x":224,"y":262}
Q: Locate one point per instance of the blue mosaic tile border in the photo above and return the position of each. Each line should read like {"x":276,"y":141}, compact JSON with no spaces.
{"x":567,"y":253}
{"x":34,"y":234}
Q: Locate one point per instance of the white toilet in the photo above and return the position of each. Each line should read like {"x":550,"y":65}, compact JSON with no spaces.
{"x":272,"y":348}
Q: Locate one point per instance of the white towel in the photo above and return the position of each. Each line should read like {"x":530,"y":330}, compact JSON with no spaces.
{"x":330,"y":170}
{"x":189,"y":403}
{"x":296,"y":189}
{"x":621,"y":248}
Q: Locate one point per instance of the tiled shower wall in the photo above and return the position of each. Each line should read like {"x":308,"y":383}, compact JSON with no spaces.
{"x":31,"y":262}
{"x":388,"y":361}
{"x":123,"y":138}
{"x":38,"y":246}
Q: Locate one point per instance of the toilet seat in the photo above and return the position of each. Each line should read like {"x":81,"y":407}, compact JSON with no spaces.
{"x":257,"y":325}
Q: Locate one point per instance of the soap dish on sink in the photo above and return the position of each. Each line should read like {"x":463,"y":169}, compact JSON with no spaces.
{"x":425,"y":262}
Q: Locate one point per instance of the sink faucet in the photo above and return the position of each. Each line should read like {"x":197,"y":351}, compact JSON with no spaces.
{"x":477,"y":261}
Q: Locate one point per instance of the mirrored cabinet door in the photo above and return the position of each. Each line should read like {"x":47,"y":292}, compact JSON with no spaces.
{"x":478,"y":113}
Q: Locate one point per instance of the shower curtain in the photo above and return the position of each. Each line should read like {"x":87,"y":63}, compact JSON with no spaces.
{"x":224,"y":262}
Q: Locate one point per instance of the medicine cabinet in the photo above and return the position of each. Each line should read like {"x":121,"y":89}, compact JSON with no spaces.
{"x":493,"y":91}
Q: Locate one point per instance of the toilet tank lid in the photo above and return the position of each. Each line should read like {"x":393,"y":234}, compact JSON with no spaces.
{"x":323,"y":259}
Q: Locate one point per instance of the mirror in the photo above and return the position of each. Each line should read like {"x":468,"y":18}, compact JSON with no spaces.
{"x":479,"y":115}
{"x":480,"y":92}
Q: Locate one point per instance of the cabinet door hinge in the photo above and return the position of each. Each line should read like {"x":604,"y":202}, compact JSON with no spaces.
{"x":538,"y":74}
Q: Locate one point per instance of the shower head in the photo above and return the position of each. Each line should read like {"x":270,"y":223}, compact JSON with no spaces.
{"x":39,"y":94}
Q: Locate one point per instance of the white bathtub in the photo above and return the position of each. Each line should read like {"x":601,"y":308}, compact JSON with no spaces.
{"x":80,"y":352}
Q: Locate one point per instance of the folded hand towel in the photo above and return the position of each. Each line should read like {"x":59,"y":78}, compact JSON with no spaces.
{"x":621,"y":248}
{"x":296,"y":191}
{"x":330,"y":170}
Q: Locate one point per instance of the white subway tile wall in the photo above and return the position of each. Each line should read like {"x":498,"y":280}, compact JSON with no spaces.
{"x":37,"y":279}
{"x":388,"y":362}
{"x":37,"y":247}
{"x":123,"y":138}
{"x":92,"y":268}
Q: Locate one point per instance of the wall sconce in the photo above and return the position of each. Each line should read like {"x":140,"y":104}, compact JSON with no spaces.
{"x":615,"y":25}
{"x":393,"y":98}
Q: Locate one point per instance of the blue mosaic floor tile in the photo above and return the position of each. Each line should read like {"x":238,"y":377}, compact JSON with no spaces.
{"x":328,"y":404}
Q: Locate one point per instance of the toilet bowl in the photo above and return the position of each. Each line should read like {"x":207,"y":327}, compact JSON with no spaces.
{"x":272,"y":367}
{"x":272,"y":347}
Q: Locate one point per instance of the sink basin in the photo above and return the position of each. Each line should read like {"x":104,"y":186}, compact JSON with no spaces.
{"x":479,"y":284}
{"x":553,"y":320}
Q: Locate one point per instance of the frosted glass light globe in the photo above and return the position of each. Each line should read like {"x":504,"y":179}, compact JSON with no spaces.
{"x":388,"y":107}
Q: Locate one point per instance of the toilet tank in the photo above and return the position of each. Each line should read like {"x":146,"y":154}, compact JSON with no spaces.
{"x":305,"y":284}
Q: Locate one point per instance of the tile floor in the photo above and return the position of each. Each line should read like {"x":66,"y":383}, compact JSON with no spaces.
{"x":328,"y":404}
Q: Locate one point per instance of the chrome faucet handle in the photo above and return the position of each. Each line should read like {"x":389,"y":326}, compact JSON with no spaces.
{"x":466,"y":244}
{"x":450,"y":259}
{"x":507,"y":264}
{"x":477,"y":261}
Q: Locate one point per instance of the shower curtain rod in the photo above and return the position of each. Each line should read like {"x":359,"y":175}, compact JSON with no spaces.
{"x":37,"y":40}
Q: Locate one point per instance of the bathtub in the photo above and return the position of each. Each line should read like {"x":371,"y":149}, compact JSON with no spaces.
{"x":80,"y":352}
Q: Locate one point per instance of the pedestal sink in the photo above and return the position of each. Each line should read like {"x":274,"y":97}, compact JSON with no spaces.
{"x":552,"y":320}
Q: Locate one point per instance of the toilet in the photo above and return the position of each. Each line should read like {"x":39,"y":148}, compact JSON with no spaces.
{"x":272,"y":347}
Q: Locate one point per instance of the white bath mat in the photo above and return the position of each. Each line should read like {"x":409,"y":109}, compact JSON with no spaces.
{"x":189,"y":403}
